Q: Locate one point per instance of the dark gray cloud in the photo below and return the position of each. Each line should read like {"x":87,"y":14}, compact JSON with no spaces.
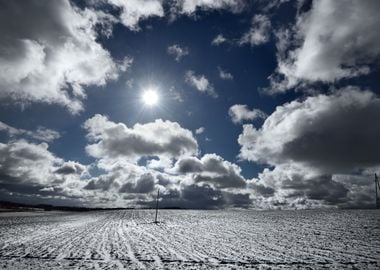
{"x":144,"y":184}
{"x":321,"y":188}
{"x":189,"y":165}
{"x":30,"y":170}
{"x":289,"y":187}
{"x":313,"y":142}
{"x":240,"y":200}
{"x":211,"y":169}
{"x":138,"y":186}
{"x":26,"y":162}
{"x":103,"y":182}
{"x":204,"y":196}
{"x":335,"y":133}
{"x":262,"y":190}
{"x":123,"y":177}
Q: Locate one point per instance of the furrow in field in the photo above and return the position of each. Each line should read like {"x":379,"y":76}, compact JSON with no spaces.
{"x":191,"y":239}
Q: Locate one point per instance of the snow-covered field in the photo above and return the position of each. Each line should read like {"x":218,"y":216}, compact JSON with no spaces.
{"x":234,"y":239}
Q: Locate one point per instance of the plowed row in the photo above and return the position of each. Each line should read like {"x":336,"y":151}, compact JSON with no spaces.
{"x":127,"y":239}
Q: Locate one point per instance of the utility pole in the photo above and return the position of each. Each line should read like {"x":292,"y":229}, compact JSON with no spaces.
{"x":377,"y":190}
{"x":158,"y":196}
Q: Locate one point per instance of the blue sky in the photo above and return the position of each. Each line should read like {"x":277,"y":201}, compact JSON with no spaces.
{"x":293,"y":71}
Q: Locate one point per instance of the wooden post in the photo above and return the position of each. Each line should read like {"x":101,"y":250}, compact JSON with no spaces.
{"x":377,"y":186}
{"x":158,"y":196}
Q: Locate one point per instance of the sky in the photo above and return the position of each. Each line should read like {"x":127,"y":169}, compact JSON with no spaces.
{"x":218,"y":104}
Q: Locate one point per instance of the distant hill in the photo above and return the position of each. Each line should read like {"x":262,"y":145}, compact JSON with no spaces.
{"x":12,"y":206}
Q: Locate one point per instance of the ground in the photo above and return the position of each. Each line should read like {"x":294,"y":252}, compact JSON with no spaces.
{"x":226,"y":239}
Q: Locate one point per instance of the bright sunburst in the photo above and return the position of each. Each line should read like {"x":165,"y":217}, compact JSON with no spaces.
{"x":150,"y":97}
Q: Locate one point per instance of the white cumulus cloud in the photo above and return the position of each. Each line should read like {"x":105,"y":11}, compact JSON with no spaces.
{"x":189,"y":7}
{"x":49,"y":53}
{"x":331,"y":41}
{"x":240,"y":113}
{"x":133,"y":11}
{"x":201,"y":83}
{"x":158,"y":138}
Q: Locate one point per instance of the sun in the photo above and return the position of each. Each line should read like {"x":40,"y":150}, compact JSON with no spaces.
{"x":150,"y":97}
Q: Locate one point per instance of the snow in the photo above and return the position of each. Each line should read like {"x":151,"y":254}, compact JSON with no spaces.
{"x":225,"y":239}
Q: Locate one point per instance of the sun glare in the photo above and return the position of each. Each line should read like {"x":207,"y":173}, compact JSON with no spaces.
{"x":150,"y":97}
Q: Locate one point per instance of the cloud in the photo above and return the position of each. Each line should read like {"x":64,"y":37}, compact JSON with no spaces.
{"x":189,"y":7}
{"x":158,"y":138}
{"x":219,"y":39}
{"x":240,"y":113}
{"x":71,"y":167}
{"x":49,"y":52}
{"x":331,"y":41}
{"x":218,"y":185}
{"x":205,"y":196}
{"x":133,"y":11}
{"x":258,"y":33}
{"x":200,"y":130}
{"x":269,"y":6}
{"x":178,"y":52}
{"x":144,"y":184}
{"x":286,"y":186}
{"x":201,"y":83}
{"x":211,"y":169}
{"x":121,"y":178}
{"x":265,"y":191}
{"x":158,"y":163}
{"x":41,"y":133}
{"x":321,"y":188}
{"x":311,"y":143}
{"x":334,"y":132}
{"x":225,"y":75}
{"x":26,"y":162}
{"x":135,"y":162}
{"x":30,"y":172}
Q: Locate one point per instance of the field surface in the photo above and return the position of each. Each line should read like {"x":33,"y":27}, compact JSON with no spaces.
{"x":188,"y":239}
